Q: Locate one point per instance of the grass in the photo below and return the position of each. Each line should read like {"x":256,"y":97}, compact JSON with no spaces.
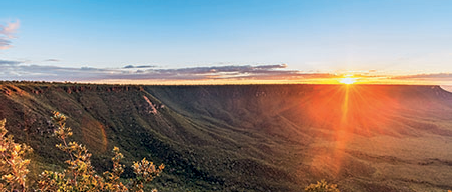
{"x":249,"y":137}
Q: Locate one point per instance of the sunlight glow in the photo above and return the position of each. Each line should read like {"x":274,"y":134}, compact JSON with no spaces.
{"x":348,"y":79}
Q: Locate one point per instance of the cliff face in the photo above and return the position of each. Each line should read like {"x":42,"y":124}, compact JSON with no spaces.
{"x":303,"y":107}
{"x":250,"y":137}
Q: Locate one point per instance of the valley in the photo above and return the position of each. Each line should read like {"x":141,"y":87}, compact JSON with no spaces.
{"x":247,"y":137}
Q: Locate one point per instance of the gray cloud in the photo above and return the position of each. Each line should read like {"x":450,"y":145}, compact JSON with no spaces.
{"x":8,"y":62}
{"x":18,"y":70}
{"x":138,"y":66}
{"x":243,"y":69}
{"x":272,"y":66}
{"x":54,"y":73}
{"x":52,"y":60}
{"x":51,"y":73}
{"x":4,"y":43}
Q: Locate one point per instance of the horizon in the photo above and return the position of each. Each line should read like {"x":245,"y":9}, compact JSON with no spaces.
{"x":237,"y":42}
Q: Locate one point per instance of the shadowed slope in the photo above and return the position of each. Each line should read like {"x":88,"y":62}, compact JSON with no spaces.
{"x":252,"y":137}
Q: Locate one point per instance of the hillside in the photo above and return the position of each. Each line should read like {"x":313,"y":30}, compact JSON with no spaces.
{"x":249,"y":137}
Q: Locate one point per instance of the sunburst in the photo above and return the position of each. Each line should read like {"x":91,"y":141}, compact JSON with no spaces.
{"x":348,"y":80}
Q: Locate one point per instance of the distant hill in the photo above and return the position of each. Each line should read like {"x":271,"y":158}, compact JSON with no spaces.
{"x":248,"y":137}
{"x":447,"y":87}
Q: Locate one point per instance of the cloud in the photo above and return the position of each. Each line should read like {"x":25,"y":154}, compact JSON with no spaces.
{"x":272,"y":66}
{"x":21,"y":70}
{"x":52,"y":60}
{"x":4,"y":43}
{"x":13,"y":71}
{"x":8,"y":62}
{"x":431,"y":76}
{"x":51,"y":73}
{"x":138,"y":66}
{"x":10,"y":29}
{"x":242,"y":69}
{"x":7,"y":32}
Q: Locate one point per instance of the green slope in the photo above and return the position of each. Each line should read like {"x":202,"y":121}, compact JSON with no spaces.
{"x":249,"y":137}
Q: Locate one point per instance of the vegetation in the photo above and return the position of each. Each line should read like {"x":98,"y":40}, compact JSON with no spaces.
{"x":80,"y":174}
{"x":13,"y":165}
{"x":244,"y":138}
{"x":322,"y":186}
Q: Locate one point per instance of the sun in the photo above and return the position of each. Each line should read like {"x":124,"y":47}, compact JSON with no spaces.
{"x":348,"y":79}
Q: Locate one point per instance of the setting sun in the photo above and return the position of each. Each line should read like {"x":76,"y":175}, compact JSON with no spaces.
{"x":348,"y":80}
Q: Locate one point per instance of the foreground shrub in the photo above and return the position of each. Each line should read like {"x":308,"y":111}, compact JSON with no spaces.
{"x":13,"y":165}
{"x":322,"y":186}
{"x":78,"y":176}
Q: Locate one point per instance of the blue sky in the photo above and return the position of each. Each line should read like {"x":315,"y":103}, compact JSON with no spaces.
{"x":394,"y":37}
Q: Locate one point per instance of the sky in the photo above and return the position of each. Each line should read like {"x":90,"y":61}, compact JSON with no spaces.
{"x":205,"y":42}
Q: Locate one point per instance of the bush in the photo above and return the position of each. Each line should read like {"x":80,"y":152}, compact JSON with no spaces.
{"x":78,"y":176}
{"x":322,"y":186}
{"x":13,"y":166}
